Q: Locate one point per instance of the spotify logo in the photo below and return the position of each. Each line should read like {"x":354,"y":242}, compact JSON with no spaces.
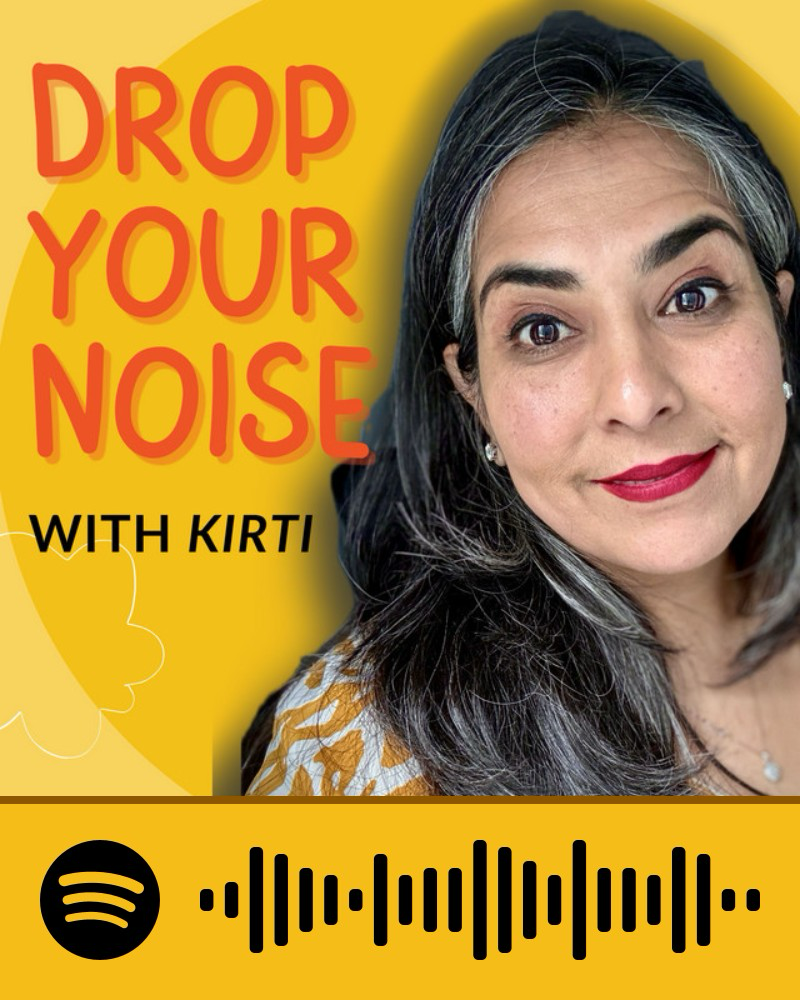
{"x":99,"y":899}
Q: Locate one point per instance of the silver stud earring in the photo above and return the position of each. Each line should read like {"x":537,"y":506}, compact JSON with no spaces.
{"x":788,"y":391}
{"x":490,"y":451}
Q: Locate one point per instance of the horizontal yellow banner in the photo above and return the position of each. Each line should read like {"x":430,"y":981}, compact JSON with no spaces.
{"x":351,"y":898}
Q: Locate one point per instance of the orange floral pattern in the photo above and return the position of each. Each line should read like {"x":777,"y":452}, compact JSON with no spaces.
{"x":327,"y":741}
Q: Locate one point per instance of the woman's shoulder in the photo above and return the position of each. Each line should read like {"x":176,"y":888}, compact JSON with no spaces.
{"x":327,"y":739}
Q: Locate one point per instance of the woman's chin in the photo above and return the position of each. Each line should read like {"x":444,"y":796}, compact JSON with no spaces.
{"x":667,"y":559}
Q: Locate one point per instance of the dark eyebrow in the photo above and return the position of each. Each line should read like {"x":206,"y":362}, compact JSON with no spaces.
{"x":664,"y":250}
{"x":671,"y":245}
{"x":521,"y":274}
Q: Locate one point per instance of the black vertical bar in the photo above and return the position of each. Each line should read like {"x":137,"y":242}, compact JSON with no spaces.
{"x":405,"y":890}
{"x":454,"y":897}
{"x":206,"y":899}
{"x":728,"y":899}
{"x":256,"y":900}
{"x":306,"y":900}
{"x":330,"y":899}
{"x":654,"y":899}
{"x":479,"y":874}
{"x":604,"y":899}
{"x":355,"y":900}
{"x":504,"y":900}
{"x":281,"y":890}
{"x":629,"y":899}
{"x":554,"y":899}
{"x":380,"y":899}
{"x":529,"y":899}
{"x":678,"y":900}
{"x":703,"y":899}
{"x":231,"y":899}
{"x":752,"y":899}
{"x":430,"y":900}
{"x":579,"y":899}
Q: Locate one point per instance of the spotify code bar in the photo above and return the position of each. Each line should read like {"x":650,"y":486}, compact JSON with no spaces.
{"x":408,"y":898}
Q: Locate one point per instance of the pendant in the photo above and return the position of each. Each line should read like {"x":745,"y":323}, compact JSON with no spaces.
{"x":771,"y":770}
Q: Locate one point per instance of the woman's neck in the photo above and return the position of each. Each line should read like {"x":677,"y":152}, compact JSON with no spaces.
{"x":696,"y":615}
{"x":749,"y":726}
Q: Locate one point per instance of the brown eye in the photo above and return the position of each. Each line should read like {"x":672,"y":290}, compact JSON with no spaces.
{"x":540,"y":331}
{"x":690,"y":301}
{"x":693,"y":299}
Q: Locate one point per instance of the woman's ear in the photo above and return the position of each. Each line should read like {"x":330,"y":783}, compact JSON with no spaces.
{"x":469,"y":392}
{"x":464,"y":388}
{"x":785,"y":282}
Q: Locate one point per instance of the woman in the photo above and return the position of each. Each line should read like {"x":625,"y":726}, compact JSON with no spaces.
{"x":575,"y":558}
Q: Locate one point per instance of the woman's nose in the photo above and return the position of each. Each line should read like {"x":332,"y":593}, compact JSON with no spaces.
{"x":636,"y":385}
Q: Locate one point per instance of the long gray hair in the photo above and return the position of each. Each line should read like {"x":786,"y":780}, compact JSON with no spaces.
{"x":503,"y":659}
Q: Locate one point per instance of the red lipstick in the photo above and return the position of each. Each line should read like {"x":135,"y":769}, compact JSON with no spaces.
{"x":645,"y":483}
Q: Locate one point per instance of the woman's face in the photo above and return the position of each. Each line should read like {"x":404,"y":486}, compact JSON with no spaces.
{"x":629,"y":368}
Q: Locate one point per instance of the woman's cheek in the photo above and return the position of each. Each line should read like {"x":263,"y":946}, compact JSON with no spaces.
{"x":743,"y":381}
{"x":537,"y":430}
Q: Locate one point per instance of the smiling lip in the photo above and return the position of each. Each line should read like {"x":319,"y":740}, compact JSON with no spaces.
{"x":644,"y":483}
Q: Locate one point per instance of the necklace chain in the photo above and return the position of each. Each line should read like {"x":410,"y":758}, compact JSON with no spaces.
{"x":770,"y":767}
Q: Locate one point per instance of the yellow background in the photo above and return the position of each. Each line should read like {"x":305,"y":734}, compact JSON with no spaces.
{"x":233,"y":626}
{"x":100,"y":697}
